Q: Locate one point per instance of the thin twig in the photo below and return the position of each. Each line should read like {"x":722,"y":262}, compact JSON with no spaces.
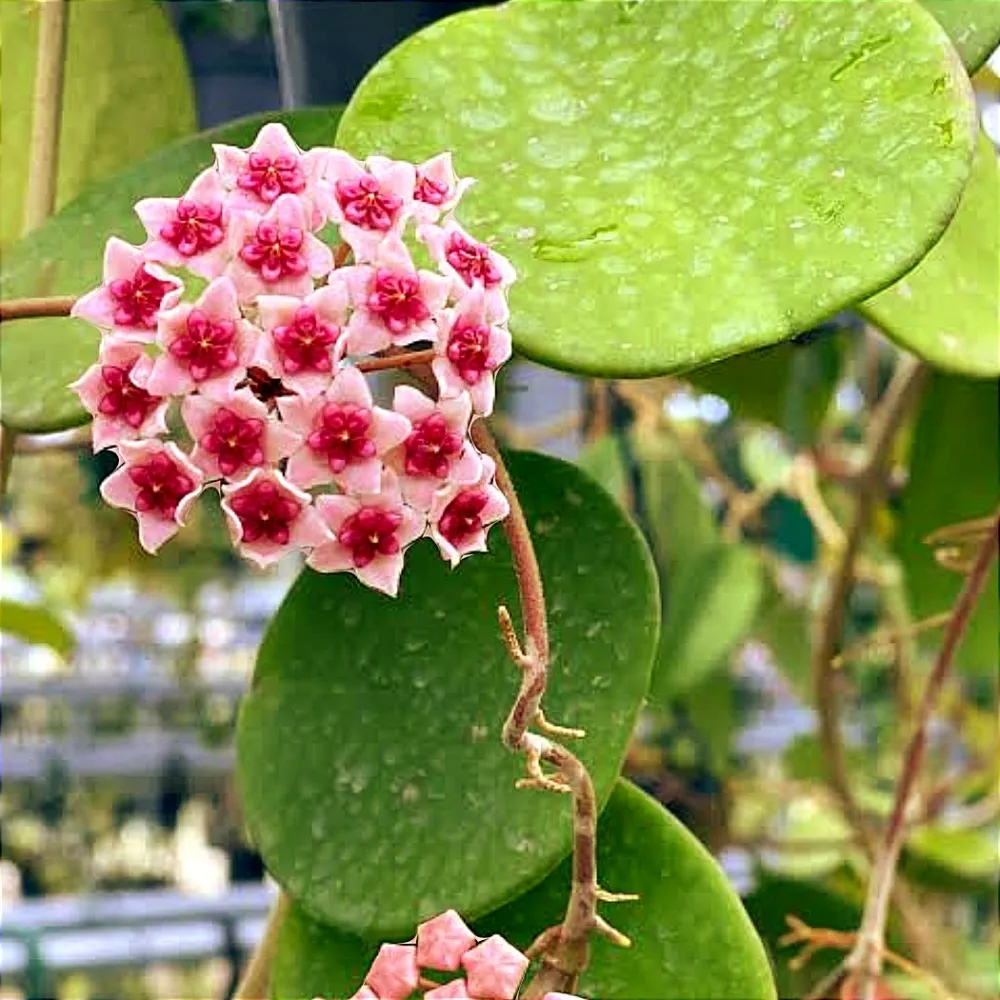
{"x":8,"y":445}
{"x":402,"y":360}
{"x":866,"y":958}
{"x":256,"y":981}
{"x":899,"y":396}
{"x":36,"y":308}
{"x":46,"y":112}
{"x":563,"y":951}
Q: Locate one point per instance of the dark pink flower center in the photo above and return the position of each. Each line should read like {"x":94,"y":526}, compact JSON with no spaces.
{"x":340,"y":434}
{"x":234,"y":440}
{"x":431,"y":447}
{"x":137,"y":301}
{"x":305,"y":343}
{"x":365,"y":204}
{"x":395,"y":299}
{"x":162,"y":484}
{"x":195,"y":228}
{"x":429,"y":191}
{"x":462,"y":518}
{"x":275,"y":251}
{"x":265,"y":512}
{"x":469,"y":350}
{"x":123,"y":398}
{"x":206,"y":347}
{"x":472,"y":261}
{"x":369,"y":533}
{"x":269,"y":179}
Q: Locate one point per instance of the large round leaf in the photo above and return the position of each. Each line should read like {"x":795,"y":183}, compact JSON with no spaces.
{"x":126,"y":93}
{"x":953,"y":478}
{"x":974,"y":27}
{"x":692,"y":939}
{"x":680,"y":182}
{"x":945,"y":309}
{"x":375,"y":782}
{"x":64,"y":257}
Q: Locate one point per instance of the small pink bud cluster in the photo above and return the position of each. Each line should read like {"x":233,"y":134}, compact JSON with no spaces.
{"x":266,"y":366}
{"x":489,"y":969}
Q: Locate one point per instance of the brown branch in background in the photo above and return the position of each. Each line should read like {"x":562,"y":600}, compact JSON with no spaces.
{"x":563,"y":951}
{"x":900,"y":395}
{"x":407,"y":359}
{"x":865,"y":961}
{"x":36,"y":308}
{"x":46,"y":114}
{"x":8,"y":443}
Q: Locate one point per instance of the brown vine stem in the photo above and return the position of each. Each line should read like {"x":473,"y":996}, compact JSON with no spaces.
{"x":902,"y":391}
{"x":36,"y":308}
{"x":407,"y":359}
{"x":563,"y":950}
{"x":865,"y":960}
{"x":256,"y":981}
{"x":46,"y":114}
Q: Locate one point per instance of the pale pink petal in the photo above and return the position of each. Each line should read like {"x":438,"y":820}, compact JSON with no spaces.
{"x":229,"y":161}
{"x":365,"y":335}
{"x":501,"y":346}
{"x":121,"y":259}
{"x":219,"y":300}
{"x":288,"y":212}
{"x":365,"y":243}
{"x":95,"y":307}
{"x":413,"y":527}
{"x":249,"y":284}
{"x":90,"y":387}
{"x":197,"y":412}
{"x":494,"y":969}
{"x":154,"y":531}
{"x":434,"y":290}
{"x":168,"y":378}
{"x":394,"y":973}
{"x":483,"y":394}
{"x":207,"y":186}
{"x":360,"y":477}
{"x":331,"y":303}
{"x":330,"y":557}
{"x":155,"y":213}
{"x":274,"y":140}
{"x":118,"y":489}
{"x":277,"y":310}
{"x":353,"y":282}
{"x":468,"y":467}
{"x":450,"y":383}
{"x":455,"y":990}
{"x":350,"y":386}
{"x":309,"y":531}
{"x":413,"y":404}
{"x":306,"y":469}
{"x":395,"y":176}
{"x":342,"y":167}
{"x":388,"y":429}
{"x":281,"y":441}
{"x":442,"y":941}
{"x":318,"y":256}
{"x":298,"y":413}
{"x":365,"y":993}
{"x":335,"y":509}
{"x":382,"y":573}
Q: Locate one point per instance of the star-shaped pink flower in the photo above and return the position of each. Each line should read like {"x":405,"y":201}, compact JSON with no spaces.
{"x":274,"y":165}
{"x":371,"y":532}
{"x":233,"y":435}
{"x":303,"y":339}
{"x":470,"y":349}
{"x":460,"y":516}
{"x":157,"y":483}
{"x":133,"y":294}
{"x":457,"y":989}
{"x":344,"y":435}
{"x":206,"y":345}
{"x":394,"y":974}
{"x":268,"y":517}
{"x":370,"y":200}
{"x":494,"y":969}
{"x":394,"y":303}
{"x":437,"y":450}
{"x":442,"y":941}
{"x":438,"y":189}
{"x":189,"y":231}
{"x":275,"y":253}
{"x":113,"y":392}
{"x":470,"y":264}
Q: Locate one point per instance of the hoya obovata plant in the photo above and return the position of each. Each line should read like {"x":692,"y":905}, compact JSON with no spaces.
{"x":658,"y":186}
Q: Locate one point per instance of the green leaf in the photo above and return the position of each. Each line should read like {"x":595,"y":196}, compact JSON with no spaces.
{"x":960,"y":861}
{"x":34,"y":624}
{"x":784,"y":628}
{"x":42,"y":356}
{"x":127,"y":92}
{"x":974,"y":27}
{"x":711,"y":604}
{"x":954,"y":471}
{"x":676,"y":948}
{"x":373,"y":774}
{"x":765,"y":458}
{"x":659,"y":216}
{"x":945,"y":309}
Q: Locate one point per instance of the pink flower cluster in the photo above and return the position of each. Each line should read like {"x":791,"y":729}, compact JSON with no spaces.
{"x":490,"y":969}
{"x":266,"y":365}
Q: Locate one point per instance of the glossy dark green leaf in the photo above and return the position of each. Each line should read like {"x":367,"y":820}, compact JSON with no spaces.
{"x":42,"y":356}
{"x":954,"y":470}
{"x":373,"y":775}
{"x":35,"y":624}
{"x":945,"y":309}
{"x":691,"y":937}
{"x":661,"y":217}
{"x":973,"y":25}
{"x":952,"y":859}
{"x":127,"y":92}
